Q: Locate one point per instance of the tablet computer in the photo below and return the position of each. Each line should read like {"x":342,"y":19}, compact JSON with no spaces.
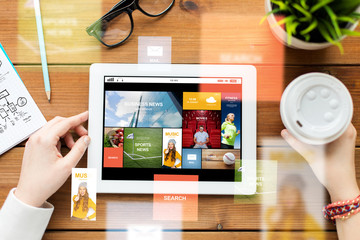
{"x":152,"y":125}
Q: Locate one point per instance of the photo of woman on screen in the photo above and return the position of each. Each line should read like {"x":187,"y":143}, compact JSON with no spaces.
{"x":172,"y":158}
{"x":230,"y":133}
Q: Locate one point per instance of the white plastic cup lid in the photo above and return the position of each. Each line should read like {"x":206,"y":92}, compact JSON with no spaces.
{"x":316,"y":108}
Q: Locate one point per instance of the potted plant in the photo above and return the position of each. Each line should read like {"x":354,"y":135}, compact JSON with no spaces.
{"x":312,"y":24}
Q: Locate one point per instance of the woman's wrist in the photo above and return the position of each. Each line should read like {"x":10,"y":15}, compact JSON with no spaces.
{"x":25,"y":198}
{"x":344,"y":193}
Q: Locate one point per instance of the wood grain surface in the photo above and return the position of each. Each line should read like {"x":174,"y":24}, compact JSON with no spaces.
{"x":208,"y":32}
{"x":216,"y":32}
{"x":56,"y":235}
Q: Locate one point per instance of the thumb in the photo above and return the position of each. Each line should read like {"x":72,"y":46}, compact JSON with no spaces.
{"x":302,"y":148}
{"x":78,"y":150}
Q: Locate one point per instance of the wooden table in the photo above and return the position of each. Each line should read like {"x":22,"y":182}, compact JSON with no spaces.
{"x":216,"y":32}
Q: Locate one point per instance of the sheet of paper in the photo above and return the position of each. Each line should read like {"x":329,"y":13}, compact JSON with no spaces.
{"x":19,"y":115}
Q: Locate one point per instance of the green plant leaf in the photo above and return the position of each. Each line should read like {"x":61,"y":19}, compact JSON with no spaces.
{"x":355,"y":15}
{"x":345,"y":19}
{"x":293,"y":27}
{"x":284,"y":20}
{"x":302,"y":10}
{"x":333,"y":20}
{"x":269,"y":13}
{"x":311,"y":27}
{"x":307,"y":37}
{"x":288,"y":32}
{"x":319,"y":5}
{"x":304,"y":19}
{"x":304,"y":5}
{"x":323,"y":31}
{"x":348,"y":32}
{"x":345,"y":7}
{"x":281,"y":4}
{"x":330,"y":28}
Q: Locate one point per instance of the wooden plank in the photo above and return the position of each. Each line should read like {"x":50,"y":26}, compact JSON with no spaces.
{"x":118,"y":211}
{"x":70,"y":87}
{"x":74,"y":235}
{"x":8,"y":23}
{"x":207,"y":32}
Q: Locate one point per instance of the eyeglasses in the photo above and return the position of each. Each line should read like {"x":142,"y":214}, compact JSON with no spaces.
{"x":116,"y":26}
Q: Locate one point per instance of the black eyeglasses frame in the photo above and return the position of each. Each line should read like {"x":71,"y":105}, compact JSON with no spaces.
{"x":127,"y":6}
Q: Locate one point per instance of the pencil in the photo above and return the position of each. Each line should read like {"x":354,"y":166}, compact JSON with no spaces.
{"x":42,"y":48}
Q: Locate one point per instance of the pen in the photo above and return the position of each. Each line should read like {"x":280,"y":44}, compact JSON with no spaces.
{"x":42,"y":48}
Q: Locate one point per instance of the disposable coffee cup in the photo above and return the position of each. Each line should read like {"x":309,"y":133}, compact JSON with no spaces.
{"x":316,"y":108}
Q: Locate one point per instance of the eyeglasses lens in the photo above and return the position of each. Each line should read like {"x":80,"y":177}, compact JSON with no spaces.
{"x":155,"y":7}
{"x":114,"y":28}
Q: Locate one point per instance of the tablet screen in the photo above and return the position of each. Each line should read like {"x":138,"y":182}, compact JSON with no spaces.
{"x":166,"y":125}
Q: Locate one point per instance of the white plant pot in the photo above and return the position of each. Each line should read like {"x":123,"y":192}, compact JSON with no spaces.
{"x":281,"y":35}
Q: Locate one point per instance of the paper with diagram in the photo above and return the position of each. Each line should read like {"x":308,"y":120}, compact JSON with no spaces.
{"x":19,"y":115}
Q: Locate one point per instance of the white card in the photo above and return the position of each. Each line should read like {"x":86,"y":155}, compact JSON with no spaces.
{"x":83,"y":194}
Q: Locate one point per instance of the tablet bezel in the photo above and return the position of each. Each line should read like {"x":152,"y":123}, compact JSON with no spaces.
{"x":248,"y":144}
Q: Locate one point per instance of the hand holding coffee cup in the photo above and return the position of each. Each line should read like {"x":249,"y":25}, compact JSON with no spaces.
{"x":327,"y":144}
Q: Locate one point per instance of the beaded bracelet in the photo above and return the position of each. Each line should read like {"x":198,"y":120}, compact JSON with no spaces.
{"x":342,"y":209}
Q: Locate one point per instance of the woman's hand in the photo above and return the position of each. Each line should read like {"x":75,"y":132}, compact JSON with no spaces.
{"x":166,"y":151}
{"x":333,"y":163}
{"x":44,"y":170}
{"x":238,"y":132}
{"x":76,"y":198}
